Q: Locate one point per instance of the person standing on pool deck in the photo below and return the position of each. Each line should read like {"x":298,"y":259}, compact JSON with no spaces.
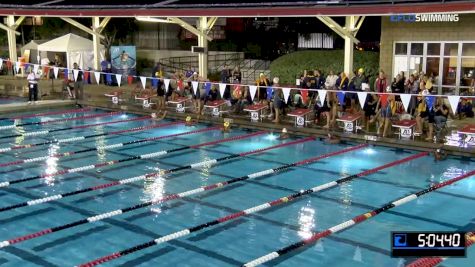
{"x":78,"y":86}
{"x":32,"y":87}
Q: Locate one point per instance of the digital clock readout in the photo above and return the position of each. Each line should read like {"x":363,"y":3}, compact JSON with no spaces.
{"x":420,"y":244}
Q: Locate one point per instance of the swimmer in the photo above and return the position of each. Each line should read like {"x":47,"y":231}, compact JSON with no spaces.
{"x":440,"y":154}
{"x":331,"y":139}
{"x":284,"y":134}
{"x":226,"y":127}
{"x":156,"y":118}
{"x":188,"y":121}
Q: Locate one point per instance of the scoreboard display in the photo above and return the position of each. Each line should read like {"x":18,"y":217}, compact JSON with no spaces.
{"x":428,"y":244}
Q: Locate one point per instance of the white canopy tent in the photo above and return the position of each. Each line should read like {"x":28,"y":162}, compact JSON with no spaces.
{"x":34,"y":53}
{"x":78,"y":49}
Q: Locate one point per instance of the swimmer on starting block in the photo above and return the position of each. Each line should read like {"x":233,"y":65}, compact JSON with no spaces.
{"x":440,"y":154}
{"x":284,"y":134}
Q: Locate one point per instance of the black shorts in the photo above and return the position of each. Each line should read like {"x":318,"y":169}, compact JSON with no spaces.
{"x":160,"y":92}
{"x":424,"y":114}
{"x":431,"y":117}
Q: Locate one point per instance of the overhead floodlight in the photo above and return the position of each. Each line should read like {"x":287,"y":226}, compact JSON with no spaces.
{"x":152,"y":19}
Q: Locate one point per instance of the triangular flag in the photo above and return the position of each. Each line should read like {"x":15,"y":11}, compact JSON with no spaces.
{"x":179,"y":85}
{"x":167,"y":84}
{"x":35,"y":69}
{"x":26,"y":66}
{"x":207,"y":88}
{"x":252,"y":91}
{"x":55,"y":71}
{"x":75,"y":74}
{"x":17,"y":66}
{"x":97,"y":75}
{"x":384,"y":99}
{"x":222,"y":88}
{"x":322,"y":94}
{"x":304,"y":94}
{"x":86,"y":77}
{"x":430,"y":102}
{"x":144,"y":81}
{"x":341,"y":97}
{"x":118,"y":77}
{"x":286,"y":92}
{"x":108,"y":78}
{"x":130,"y":79}
{"x":406,"y":99}
{"x":1,"y":63}
{"x":454,"y":102}
{"x":194,"y":84}
{"x":269,"y":91}
{"x":362,"y":98}
{"x":66,"y":74}
{"x":155,"y":82}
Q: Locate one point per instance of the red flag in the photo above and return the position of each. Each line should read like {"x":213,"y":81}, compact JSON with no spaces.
{"x":86,"y":76}
{"x":130,"y":79}
{"x":46,"y":70}
{"x":180,"y":85}
{"x":384,"y":99}
{"x":304,"y":94}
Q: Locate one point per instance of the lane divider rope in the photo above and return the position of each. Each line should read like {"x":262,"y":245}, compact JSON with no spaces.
{"x":106,"y":163}
{"x":356,"y":220}
{"x":123,"y":181}
{"x":67,"y":111}
{"x":120,"y":211}
{"x":92,"y":116}
{"x":79,"y":138}
{"x":233,"y":216}
{"x":434,"y":261}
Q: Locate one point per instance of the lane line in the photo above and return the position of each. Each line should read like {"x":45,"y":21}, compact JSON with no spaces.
{"x":48,"y":113}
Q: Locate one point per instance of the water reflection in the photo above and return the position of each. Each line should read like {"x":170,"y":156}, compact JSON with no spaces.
{"x":19,"y":139}
{"x":51,"y":164}
{"x":154,"y":190}
{"x":306,"y":221}
{"x":100,"y":142}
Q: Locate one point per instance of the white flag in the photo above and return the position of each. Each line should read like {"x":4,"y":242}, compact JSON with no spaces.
{"x":75,"y":74}
{"x":55,"y":71}
{"x":144,"y":81}
{"x":1,"y":63}
{"x":97,"y":75}
{"x":17,"y":67}
{"x":195,"y":86}
{"x":454,"y":102}
{"x":118,"y":77}
{"x":322,"y":94}
{"x":286,"y":92}
{"x":405,"y":98}
{"x":35,"y":69}
{"x":252,"y":90}
{"x":222,"y":87}
{"x":362,"y":98}
{"x":167,"y":84}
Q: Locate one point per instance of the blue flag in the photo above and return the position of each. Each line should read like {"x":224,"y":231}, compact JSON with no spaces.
{"x":66,"y":75}
{"x":27,"y":65}
{"x":430,"y":101}
{"x":270,"y":90}
{"x":155,"y":82}
{"x":207,"y":88}
{"x":108,"y":78}
{"x":341,"y":97}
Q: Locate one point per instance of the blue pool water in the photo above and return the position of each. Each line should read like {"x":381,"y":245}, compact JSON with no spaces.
{"x":10,"y":100}
{"x":235,"y":242}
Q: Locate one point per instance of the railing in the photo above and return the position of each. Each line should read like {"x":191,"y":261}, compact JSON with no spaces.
{"x":215,"y":62}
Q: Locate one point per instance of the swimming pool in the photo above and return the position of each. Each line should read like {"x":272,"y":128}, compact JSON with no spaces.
{"x":116,"y":140}
{"x":10,"y":100}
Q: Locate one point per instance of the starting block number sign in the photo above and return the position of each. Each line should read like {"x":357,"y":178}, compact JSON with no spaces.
{"x":215,"y":112}
{"x":254,"y":116}
{"x":115,"y":100}
{"x":180,"y":108}
{"x":348,"y":126}
{"x":470,"y":140}
{"x":300,"y":121}
{"x":406,"y":132}
{"x":146,"y":104}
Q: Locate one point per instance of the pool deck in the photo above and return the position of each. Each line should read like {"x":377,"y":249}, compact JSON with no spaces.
{"x":94,"y":97}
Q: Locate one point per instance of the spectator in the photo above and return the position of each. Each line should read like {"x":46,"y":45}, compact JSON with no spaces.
{"x":189,"y":73}
{"x":78,"y":82}
{"x":381,"y":83}
{"x":330,"y":81}
{"x":310,"y":82}
{"x":32,"y":79}
{"x":225,"y":74}
{"x":360,"y":79}
{"x":237,"y":75}
{"x":157,"y":71}
{"x":320,"y":79}
{"x":397,"y":86}
{"x":437,"y":116}
{"x":422,"y":111}
{"x":465,"y":109}
{"x":342,"y":82}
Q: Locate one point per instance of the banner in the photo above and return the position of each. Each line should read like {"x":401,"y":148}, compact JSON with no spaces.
{"x":75,"y":74}
{"x":269,"y":92}
{"x":362,"y":98}
{"x":97,"y":75}
{"x":108,"y":78}
{"x":304,"y":94}
{"x":167,"y":84}
{"x":144,"y":81}
{"x":252,"y":91}
{"x":130,"y":79}
{"x":341,"y":97}
{"x":35,"y":68}
{"x":406,"y":99}
{"x":55,"y":71}
{"x":207,"y":87}
{"x":194,"y":84}
{"x":155,"y":82}
{"x":454,"y":102}
{"x":322,"y":94}
{"x":286,"y":92}
{"x":118,"y":77}
{"x":222,"y":88}
{"x":430,"y":102}
{"x":123,"y":59}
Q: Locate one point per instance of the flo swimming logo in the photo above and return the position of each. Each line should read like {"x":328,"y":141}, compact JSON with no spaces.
{"x":410,"y":18}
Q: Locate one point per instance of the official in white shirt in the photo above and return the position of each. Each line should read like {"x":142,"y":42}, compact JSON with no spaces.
{"x":32,"y":87}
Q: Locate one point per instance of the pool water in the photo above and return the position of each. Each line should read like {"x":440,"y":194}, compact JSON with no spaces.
{"x":235,"y":242}
{"x":11,"y":100}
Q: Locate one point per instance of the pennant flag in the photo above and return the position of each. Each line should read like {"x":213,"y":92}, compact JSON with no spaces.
{"x":341,"y":97}
{"x":130,"y":79}
{"x":46,"y":71}
{"x":26,"y":66}
{"x":35,"y":68}
{"x":454,"y":102}
{"x":97,"y":75}
{"x":322,"y":94}
{"x":362,"y":98}
{"x":155,"y":83}
{"x":179,"y":85}
{"x":17,"y":67}
{"x":75,"y":74}
{"x":430,"y":101}
{"x":167,"y":84}
{"x":222,"y":87}
{"x":194,"y":84}
{"x":86,"y":77}
{"x":143,"y":80}
{"x":269,"y":92}
{"x":384,"y":99}
{"x":1,"y":63}
{"x":406,"y":99}
{"x":55,"y":71}
{"x":304,"y":94}
{"x":66,"y":74}
{"x":207,"y":87}
{"x":108,"y":78}
{"x":118,"y":77}
{"x":252,"y":91}
{"x":286,"y":92}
